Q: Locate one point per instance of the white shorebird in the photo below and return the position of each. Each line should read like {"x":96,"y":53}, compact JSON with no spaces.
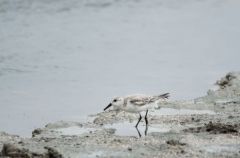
{"x":136,"y":104}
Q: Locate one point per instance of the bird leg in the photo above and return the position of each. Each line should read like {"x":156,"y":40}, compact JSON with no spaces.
{"x":146,"y":119}
{"x":140,"y":117}
{"x":146,"y":130}
{"x":139,"y":134}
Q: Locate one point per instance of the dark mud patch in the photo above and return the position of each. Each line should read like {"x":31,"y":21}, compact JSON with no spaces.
{"x":175,"y":142}
{"x":216,"y":128}
{"x":10,"y":150}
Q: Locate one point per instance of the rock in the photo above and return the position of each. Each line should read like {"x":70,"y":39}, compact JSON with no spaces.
{"x":36,"y":132}
{"x":228,"y":91}
{"x":53,"y":153}
{"x":10,"y":150}
{"x":15,"y":152}
{"x":228,"y":80}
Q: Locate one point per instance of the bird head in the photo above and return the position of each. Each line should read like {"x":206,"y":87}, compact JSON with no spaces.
{"x":116,"y":103}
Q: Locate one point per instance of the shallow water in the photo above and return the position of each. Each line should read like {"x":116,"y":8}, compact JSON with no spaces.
{"x":122,"y":129}
{"x":63,"y":60}
{"x":74,"y":130}
{"x":128,"y":129}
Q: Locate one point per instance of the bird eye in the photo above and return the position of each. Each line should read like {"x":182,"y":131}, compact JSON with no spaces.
{"x":115,"y":100}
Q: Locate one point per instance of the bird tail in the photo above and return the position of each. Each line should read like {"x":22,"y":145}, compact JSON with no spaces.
{"x":162,"y":96}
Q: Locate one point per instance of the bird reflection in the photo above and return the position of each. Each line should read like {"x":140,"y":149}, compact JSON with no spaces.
{"x":145,"y":132}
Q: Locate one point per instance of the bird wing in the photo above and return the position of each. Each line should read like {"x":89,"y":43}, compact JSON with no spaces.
{"x":139,"y":100}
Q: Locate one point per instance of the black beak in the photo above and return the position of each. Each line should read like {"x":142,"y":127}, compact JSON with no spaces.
{"x":109,"y":105}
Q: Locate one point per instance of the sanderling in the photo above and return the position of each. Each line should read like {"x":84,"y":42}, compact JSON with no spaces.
{"x":136,"y":104}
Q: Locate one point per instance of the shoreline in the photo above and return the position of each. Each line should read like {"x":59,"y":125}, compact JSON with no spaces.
{"x":204,"y":127}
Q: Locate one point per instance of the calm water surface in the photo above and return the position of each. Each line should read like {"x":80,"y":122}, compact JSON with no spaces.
{"x":64,"y":60}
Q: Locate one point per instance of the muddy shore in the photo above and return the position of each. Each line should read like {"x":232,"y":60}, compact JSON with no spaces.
{"x":207,"y":126}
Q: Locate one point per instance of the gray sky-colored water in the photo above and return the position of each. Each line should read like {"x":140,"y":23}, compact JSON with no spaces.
{"x":62,"y":60}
